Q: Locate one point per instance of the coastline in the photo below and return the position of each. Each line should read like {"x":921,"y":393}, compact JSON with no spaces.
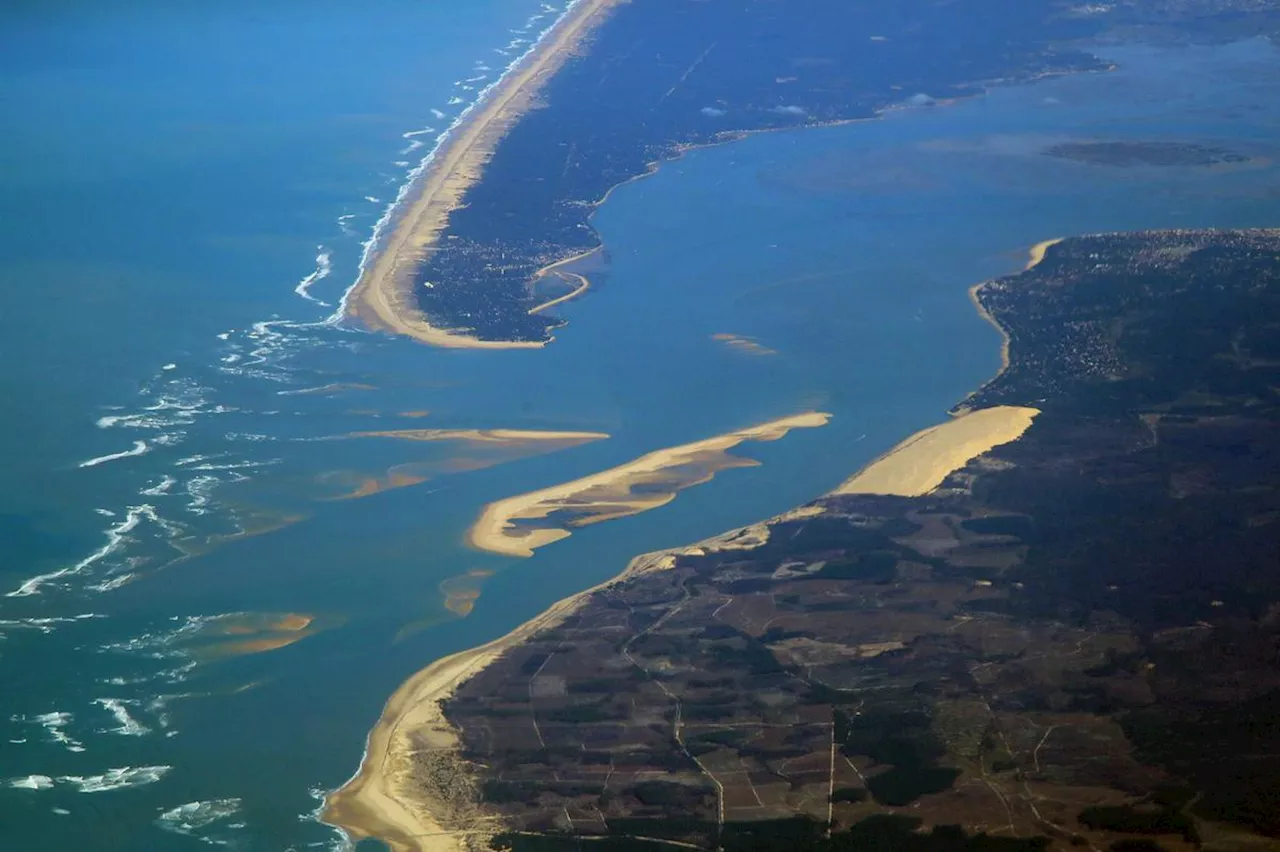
{"x":1035,"y":255}
{"x":382,"y":799}
{"x":378,"y":801}
{"x":382,"y":297}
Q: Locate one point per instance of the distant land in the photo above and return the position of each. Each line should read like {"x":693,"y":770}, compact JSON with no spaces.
{"x":1070,"y":644}
{"x":482,"y":250}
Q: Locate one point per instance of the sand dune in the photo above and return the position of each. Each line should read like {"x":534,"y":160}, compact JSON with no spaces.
{"x":919,"y":464}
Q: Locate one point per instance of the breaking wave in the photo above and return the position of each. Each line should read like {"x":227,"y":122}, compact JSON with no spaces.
{"x":324,"y":266}
{"x":139,"y":448}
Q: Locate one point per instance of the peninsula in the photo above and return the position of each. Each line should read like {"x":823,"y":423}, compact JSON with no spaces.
{"x":383,"y":297}
{"x":488,"y":245}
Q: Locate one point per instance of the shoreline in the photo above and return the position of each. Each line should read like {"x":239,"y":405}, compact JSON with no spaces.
{"x":1035,"y":255}
{"x":382,"y":296}
{"x":374,"y":803}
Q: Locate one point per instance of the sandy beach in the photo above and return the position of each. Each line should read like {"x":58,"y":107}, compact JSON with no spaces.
{"x":413,"y":791}
{"x":650,"y":481}
{"x":1034,"y":257}
{"x":383,"y":299}
{"x":919,"y":464}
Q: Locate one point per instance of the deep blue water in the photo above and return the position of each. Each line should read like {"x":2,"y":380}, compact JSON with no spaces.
{"x":173,"y":174}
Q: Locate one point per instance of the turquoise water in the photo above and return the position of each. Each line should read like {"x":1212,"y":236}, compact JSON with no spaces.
{"x":176,"y":237}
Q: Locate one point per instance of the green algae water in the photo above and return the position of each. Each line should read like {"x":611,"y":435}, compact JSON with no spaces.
{"x":201,"y":623}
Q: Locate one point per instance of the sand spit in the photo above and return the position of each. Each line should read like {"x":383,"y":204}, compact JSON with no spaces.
{"x":517,"y":525}
{"x":484,"y":436}
{"x":743,"y":343}
{"x":482,"y":448}
{"x":919,"y":464}
{"x":383,"y":297}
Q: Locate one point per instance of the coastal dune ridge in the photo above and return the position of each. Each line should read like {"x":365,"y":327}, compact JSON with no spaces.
{"x":382,"y":297}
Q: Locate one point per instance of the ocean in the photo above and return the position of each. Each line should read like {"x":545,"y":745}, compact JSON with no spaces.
{"x":210,"y":587}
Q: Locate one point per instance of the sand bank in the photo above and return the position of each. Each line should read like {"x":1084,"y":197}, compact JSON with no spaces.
{"x":743,"y":343}
{"x":483,"y":448}
{"x":383,"y":296}
{"x":485,"y":436}
{"x":921,"y":463}
{"x":510,"y":526}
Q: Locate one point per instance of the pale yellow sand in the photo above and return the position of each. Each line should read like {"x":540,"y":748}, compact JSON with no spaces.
{"x":920,"y":464}
{"x":413,"y":791}
{"x":1039,"y":250}
{"x":1035,"y":256}
{"x":742,"y":343}
{"x":648,"y":482}
{"x":383,"y":298}
{"x":483,"y":436}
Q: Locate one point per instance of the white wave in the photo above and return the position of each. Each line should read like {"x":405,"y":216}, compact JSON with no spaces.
{"x":106,"y":513}
{"x":200,"y":489}
{"x":32,"y":782}
{"x":41,"y":625}
{"x":168,"y":367}
{"x":169,"y":439}
{"x":324,"y":266}
{"x":113,"y":583}
{"x":476,"y":79}
{"x":371,"y":199}
{"x":160,"y":488}
{"x":55,"y":724}
{"x":454,"y":100}
{"x":139,"y":448}
{"x":255,"y":437}
{"x":128,"y":726}
{"x":116,"y":537}
{"x":344,"y":224}
{"x":404,"y":164}
{"x":187,"y":819}
{"x":414,"y":144}
{"x":370,"y":245}
{"x":116,"y":779}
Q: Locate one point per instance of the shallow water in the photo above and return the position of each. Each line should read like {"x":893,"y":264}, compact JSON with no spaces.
{"x":846,"y":250}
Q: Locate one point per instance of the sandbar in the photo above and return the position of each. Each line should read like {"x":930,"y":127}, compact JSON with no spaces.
{"x":383,"y":296}
{"x":922,"y":462}
{"x":484,"y":436}
{"x":511,"y":526}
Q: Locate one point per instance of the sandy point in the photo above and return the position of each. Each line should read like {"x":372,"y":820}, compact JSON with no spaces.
{"x":383,"y":297}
